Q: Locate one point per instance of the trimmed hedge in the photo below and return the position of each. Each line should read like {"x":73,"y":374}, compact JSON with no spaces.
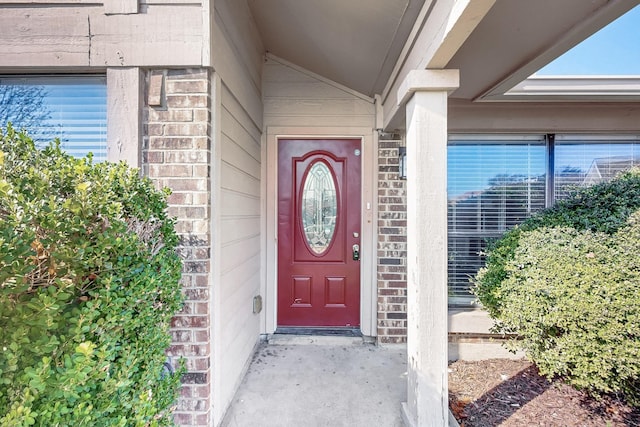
{"x":573,"y":299}
{"x":603,"y":207}
{"x":567,"y":284}
{"x":89,"y":281}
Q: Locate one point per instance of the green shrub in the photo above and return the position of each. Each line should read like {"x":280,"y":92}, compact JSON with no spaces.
{"x":573,"y":299}
{"x":603,"y":207}
{"x":89,"y":280}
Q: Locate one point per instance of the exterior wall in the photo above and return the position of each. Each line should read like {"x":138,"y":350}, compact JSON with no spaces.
{"x":392,"y":244}
{"x":176,"y":154}
{"x":236,"y":186}
{"x":297,"y":99}
{"x":239,"y":251}
{"x":299,"y":103}
{"x":71,"y":33}
{"x":543,"y":117}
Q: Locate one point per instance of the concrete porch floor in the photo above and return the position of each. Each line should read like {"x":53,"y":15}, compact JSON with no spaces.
{"x":321,"y":381}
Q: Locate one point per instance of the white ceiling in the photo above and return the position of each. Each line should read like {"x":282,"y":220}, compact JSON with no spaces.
{"x":357,"y":42}
{"x":352,"y":42}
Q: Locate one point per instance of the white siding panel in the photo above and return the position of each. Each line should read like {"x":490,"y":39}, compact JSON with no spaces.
{"x":237,"y":344}
{"x":239,"y":228}
{"x":295,"y":99}
{"x":233,"y":105}
{"x":238,"y":295}
{"x":235,"y":156}
{"x":233,"y":129}
{"x":239,"y":205}
{"x":240,"y":180}
{"x":316,"y":106}
{"x":329,"y":122}
{"x":312,"y":89}
{"x":240,"y":28}
{"x":235,"y":73}
{"x":237,"y":59}
{"x":274,"y":72}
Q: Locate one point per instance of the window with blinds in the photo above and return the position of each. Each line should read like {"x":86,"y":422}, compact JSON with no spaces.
{"x":494,"y":183}
{"x":581,"y":160}
{"x":71,"y":108}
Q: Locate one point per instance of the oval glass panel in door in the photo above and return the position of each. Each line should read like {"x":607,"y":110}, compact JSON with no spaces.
{"x":319,"y":208}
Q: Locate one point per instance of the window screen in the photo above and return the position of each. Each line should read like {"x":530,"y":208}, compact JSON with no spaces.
{"x":72,"y":108}
{"x":494,"y":183}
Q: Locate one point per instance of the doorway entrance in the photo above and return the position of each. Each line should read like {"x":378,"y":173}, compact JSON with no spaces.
{"x":319,"y":232}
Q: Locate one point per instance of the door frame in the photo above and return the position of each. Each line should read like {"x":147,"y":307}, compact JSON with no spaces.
{"x":369,"y":219}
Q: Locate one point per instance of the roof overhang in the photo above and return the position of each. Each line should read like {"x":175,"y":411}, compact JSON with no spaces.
{"x":519,"y":37}
{"x":572,"y":88}
{"x":355,"y":43}
{"x":370,"y":46}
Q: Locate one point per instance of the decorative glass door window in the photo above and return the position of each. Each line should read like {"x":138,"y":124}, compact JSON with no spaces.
{"x":319,"y":207}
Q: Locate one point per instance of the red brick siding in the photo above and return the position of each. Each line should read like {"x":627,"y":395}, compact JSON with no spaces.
{"x":392,"y":245}
{"x":176,"y":154}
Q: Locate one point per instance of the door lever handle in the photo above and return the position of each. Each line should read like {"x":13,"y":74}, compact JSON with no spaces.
{"x":356,"y":252}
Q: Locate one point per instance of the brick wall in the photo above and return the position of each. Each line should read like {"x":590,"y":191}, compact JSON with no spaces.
{"x":176,"y":151}
{"x":392,"y":244}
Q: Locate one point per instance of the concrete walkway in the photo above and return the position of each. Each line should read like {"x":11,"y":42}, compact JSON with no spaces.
{"x":321,"y":381}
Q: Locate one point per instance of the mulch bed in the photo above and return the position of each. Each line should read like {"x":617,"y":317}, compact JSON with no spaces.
{"x":503,"y":392}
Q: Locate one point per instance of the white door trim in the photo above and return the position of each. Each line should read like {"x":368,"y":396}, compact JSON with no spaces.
{"x":368,"y":281}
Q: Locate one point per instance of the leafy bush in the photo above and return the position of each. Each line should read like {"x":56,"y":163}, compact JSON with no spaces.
{"x":573,"y":299}
{"x":89,"y":280}
{"x":603,"y":207}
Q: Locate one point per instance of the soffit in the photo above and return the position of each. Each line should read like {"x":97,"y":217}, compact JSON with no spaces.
{"x":357,"y":42}
{"x":352,"y":42}
{"x":518,"y":37}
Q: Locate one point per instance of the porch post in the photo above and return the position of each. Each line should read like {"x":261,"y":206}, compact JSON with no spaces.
{"x":425,"y":93}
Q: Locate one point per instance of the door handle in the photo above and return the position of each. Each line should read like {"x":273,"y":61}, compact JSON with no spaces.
{"x":356,"y":252}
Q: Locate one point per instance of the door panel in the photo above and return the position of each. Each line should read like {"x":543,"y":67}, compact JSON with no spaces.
{"x":318,"y":226}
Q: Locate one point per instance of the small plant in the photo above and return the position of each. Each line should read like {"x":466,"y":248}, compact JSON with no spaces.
{"x":89,"y":281}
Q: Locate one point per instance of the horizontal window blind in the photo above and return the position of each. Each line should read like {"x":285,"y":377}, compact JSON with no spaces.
{"x":71,"y":108}
{"x":581,"y":161}
{"x":493,"y":184}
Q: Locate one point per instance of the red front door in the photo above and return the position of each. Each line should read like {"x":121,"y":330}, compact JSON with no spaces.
{"x":319,"y":232}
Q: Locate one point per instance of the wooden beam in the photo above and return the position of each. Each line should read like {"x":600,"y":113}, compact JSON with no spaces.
{"x":124,"y":106}
{"x":120,"y":7}
{"x":35,"y":36}
{"x":465,"y":16}
{"x":438,"y":35}
{"x":84,"y":36}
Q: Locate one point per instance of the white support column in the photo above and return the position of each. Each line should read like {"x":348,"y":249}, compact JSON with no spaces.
{"x":425,"y":93}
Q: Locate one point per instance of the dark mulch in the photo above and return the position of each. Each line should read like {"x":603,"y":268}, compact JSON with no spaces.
{"x":502,"y":392}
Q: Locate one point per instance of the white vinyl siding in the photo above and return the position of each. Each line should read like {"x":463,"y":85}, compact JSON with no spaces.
{"x":298,"y":99}
{"x":71,"y":108}
{"x":237,"y":161}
